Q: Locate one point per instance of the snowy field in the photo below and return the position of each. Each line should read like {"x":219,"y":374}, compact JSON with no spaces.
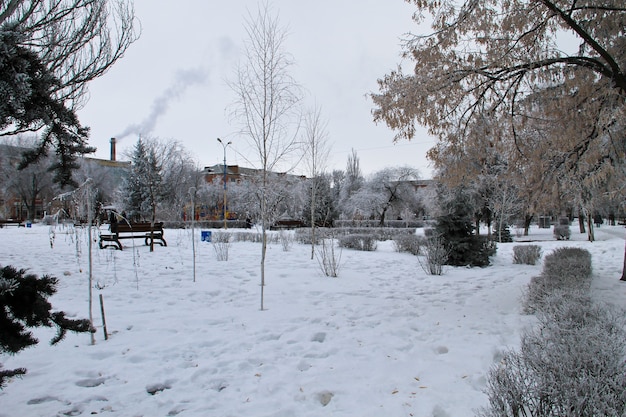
{"x":382,"y":339}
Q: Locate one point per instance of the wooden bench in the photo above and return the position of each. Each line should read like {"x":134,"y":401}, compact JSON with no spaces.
{"x":12,"y":222}
{"x":118,"y":231}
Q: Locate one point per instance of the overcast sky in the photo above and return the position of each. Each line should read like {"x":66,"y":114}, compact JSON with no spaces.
{"x":171,"y":84}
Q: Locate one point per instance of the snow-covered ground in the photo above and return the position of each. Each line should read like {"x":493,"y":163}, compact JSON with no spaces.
{"x":382,"y":339}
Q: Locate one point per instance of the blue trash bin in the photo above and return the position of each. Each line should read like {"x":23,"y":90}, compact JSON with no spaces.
{"x":205,"y":236}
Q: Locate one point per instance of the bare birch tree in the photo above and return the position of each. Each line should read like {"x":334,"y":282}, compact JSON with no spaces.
{"x":267,"y":104}
{"x":316,"y":151}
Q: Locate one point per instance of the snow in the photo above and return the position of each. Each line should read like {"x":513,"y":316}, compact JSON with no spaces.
{"x":382,"y":339}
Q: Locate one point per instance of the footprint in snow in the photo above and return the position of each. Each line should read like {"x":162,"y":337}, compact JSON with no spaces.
{"x":319,"y":337}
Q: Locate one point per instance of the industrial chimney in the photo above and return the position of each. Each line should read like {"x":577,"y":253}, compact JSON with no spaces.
{"x":112,"y":149}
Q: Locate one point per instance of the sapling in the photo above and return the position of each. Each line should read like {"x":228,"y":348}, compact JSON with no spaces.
{"x":328,"y":258}
{"x":221,"y":244}
{"x":435,"y":255}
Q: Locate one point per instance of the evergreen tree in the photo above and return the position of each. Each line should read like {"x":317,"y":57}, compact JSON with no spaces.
{"x":153,"y":186}
{"x":23,"y":305}
{"x":27,"y":92}
{"x":144,"y":184}
{"x":456,"y":228}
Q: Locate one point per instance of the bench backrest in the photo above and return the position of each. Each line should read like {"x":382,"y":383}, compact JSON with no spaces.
{"x":136,"y":227}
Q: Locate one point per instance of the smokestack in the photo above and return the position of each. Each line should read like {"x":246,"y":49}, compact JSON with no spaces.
{"x":112,"y":149}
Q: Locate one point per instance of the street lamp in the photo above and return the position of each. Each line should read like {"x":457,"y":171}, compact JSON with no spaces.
{"x":224,"y":145}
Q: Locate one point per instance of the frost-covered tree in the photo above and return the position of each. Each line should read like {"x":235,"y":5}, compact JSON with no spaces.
{"x":179,"y":172}
{"x":143,"y":187}
{"x":316,"y":151}
{"x":324,"y":212}
{"x":353,"y":179}
{"x":390,"y":189}
{"x":266,"y":106}
{"x":28,"y":101}
{"x":30,"y":184}
{"x":50,"y":51}
{"x":552,"y":66}
{"x":24,"y":305}
{"x":284,"y":195}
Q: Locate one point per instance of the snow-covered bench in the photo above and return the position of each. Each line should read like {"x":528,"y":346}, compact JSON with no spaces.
{"x":118,"y":231}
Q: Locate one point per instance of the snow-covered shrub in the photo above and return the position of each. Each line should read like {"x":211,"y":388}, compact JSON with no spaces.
{"x":378,"y":233}
{"x":359,"y":242}
{"x":255,"y":237}
{"x":304,"y":236}
{"x":573,"y":364}
{"x":562,"y":231}
{"x":328,"y":257}
{"x":568,"y":262}
{"x":286,"y":240}
{"x":564,"y":270}
{"x":399,"y":224}
{"x":221,"y":244}
{"x":527,"y":254}
{"x":408,"y":243}
{"x":435,"y":255}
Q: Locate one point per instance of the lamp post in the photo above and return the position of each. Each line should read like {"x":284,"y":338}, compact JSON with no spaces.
{"x":224,"y":145}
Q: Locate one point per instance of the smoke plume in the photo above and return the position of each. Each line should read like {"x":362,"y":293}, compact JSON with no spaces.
{"x":183,"y":80}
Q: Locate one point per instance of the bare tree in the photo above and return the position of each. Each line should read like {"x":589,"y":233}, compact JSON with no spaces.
{"x":30,"y":184}
{"x":316,"y":151}
{"x":267,"y":104}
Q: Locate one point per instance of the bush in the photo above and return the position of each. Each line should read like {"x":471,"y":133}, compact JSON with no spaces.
{"x":470,"y":251}
{"x":527,"y":254}
{"x":328,"y":258}
{"x":358,"y":242}
{"x":398,"y":224}
{"x":571,"y":264}
{"x":564,"y":270}
{"x":435,"y":256}
{"x":408,"y":243}
{"x":303,"y":235}
{"x":571,"y":365}
{"x":503,"y":235}
{"x":221,"y":244}
{"x":562,"y":231}
{"x":286,"y":240}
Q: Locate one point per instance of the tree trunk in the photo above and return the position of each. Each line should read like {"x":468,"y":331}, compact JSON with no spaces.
{"x":590,"y":235}
{"x":313,"y":187}
{"x":581,"y":222}
{"x":382,"y":218}
{"x":263,"y":236}
{"x":527,"y":220}
{"x":623,"y":278}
